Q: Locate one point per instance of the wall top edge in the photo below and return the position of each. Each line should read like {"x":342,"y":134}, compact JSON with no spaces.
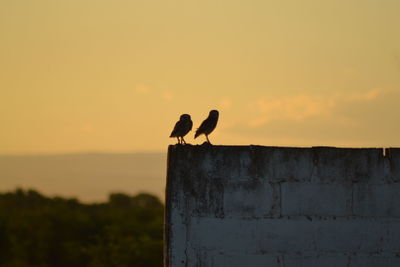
{"x":216,"y":147}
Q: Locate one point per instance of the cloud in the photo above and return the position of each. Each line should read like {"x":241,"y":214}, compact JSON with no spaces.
{"x":260,"y":121}
{"x":142,"y":89}
{"x":366,"y":118}
{"x":364,"y":96}
{"x":304,"y":106}
{"x":293,"y":108}
{"x":167,"y":95}
{"x":225,"y":103}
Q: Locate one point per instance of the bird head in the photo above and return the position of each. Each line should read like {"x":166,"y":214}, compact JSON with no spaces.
{"x":214,"y":113}
{"x":185,"y":117}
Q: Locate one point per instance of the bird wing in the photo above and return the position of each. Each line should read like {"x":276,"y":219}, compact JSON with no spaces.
{"x":177,"y":129}
{"x":187,"y":126}
{"x":202,"y":128}
{"x":190,"y":125}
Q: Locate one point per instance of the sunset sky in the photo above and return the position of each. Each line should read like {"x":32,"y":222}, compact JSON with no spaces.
{"x":114,"y":76}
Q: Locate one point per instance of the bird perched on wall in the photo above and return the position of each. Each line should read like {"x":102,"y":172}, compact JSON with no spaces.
{"x":208,"y":125}
{"x":182,"y":127}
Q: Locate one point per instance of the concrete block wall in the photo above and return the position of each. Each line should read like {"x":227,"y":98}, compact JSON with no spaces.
{"x":282,"y":207}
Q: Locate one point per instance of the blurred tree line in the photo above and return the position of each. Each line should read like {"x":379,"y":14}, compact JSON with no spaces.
{"x":39,"y":231}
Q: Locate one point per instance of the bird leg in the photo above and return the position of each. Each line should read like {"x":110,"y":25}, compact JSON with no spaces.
{"x":207,"y":139}
{"x":183,"y":140}
{"x":179,"y":141}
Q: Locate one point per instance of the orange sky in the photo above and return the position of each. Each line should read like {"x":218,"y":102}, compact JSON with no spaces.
{"x":97,"y":75}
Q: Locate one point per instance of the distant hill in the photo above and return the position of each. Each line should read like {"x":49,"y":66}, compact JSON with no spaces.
{"x":88,"y":177}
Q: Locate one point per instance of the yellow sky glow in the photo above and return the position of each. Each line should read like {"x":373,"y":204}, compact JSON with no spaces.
{"x":97,"y":75}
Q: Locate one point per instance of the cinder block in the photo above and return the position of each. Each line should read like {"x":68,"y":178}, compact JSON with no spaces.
{"x":223,"y":235}
{"x":374,"y":261}
{"x":316,"y":199}
{"x":253,"y":260}
{"x":393,"y":162}
{"x":354,"y":235}
{"x":391,"y":243}
{"x":277,"y":164}
{"x":175,"y":235}
{"x":196,"y":257}
{"x":347,"y":165}
{"x":252,"y":236}
{"x":322,"y":260}
{"x":249,"y":200}
{"x":286,"y":235}
{"x":211,"y":162}
{"x":377,"y":200}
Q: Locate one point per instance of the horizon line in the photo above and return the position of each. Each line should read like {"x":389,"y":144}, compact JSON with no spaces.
{"x":76,"y":153}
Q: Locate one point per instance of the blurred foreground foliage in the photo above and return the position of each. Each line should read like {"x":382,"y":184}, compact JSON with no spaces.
{"x":39,"y":231}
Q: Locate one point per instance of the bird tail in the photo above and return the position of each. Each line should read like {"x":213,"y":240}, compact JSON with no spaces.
{"x":197,"y":133}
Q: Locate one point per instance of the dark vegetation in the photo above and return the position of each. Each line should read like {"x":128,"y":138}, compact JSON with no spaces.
{"x":39,"y":231}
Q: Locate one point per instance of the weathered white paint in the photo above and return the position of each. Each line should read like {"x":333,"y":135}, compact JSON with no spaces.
{"x":377,"y":200}
{"x":316,"y":199}
{"x":273,"y":206}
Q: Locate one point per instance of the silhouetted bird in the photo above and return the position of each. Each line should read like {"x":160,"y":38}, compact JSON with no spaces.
{"x":208,"y":125}
{"x":182,"y":127}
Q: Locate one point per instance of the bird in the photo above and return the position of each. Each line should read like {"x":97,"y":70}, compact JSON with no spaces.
{"x":182,"y":127}
{"x":208,"y":125}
